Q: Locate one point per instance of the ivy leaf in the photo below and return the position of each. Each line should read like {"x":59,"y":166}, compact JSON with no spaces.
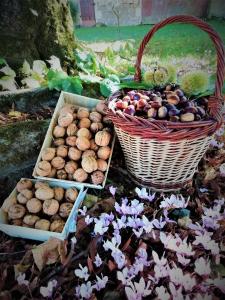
{"x":72,"y":85}
{"x":26,"y":70}
{"x":114,"y":78}
{"x":88,"y":78}
{"x":3,"y":61}
{"x":55,"y":79}
{"x":108,"y":87}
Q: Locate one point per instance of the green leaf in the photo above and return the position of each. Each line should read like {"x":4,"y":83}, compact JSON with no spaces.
{"x":89,"y":78}
{"x":134,"y":85}
{"x":108,"y":87}
{"x":3,"y":61}
{"x":72,"y":85}
{"x":26,"y":68}
{"x":55,"y":79}
{"x":114,"y":78}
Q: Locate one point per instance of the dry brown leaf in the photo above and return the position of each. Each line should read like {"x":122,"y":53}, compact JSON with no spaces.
{"x":111,"y":265}
{"x":210,"y":174}
{"x":49,"y":252}
{"x":19,"y":268}
{"x":90,"y":264}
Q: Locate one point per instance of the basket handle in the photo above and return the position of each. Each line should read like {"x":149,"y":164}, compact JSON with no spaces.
{"x":202,"y":25}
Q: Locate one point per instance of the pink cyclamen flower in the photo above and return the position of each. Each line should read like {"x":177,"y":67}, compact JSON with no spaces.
{"x":100,"y":282}
{"x":46,"y":292}
{"x":143,"y":194}
{"x":98,"y":261}
{"x":162,"y":293}
{"x":202,"y":267}
{"x":112,"y":190}
{"x":138,"y":290}
{"x":174,"y":202}
{"x":82,"y":272}
{"x":84,"y":291}
{"x":21,"y":279}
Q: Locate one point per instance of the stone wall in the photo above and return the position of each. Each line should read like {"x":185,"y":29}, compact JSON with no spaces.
{"x":129,"y":12}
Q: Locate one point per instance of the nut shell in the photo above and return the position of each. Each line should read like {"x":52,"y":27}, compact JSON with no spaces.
{"x":27,"y":193}
{"x":71,"y":141}
{"x":89,"y":153}
{"x":80,"y":175}
{"x":97,"y":177}
{"x":21,"y":199}
{"x":74,"y":153}
{"x":61,"y":174}
{"x":17,"y":222}
{"x":68,"y":108}
{"x":50,"y":207}
{"x":101,"y":107}
{"x":95,"y":117}
{"x":42,"y":224}
{"x":52,"y":174}
{"x":96,"y":126}
{"x":34,"y":205}
{"x":102,"y":138}
{"x":48,"y":154}
{"x":57,"y":226}
{"x":58,"y":162}
{"x":30,"y":219}
{"x":82,"y":112}
{"x":59,"y":141}
{"x":16,"y":211}
{"x":71,"y":194}
{"x":65,"y":209}
{"x":44,"y":193}
{"x":59,"y":131}
{"x":89,"y":164}
{"x":9,"y":202}
{"x":43,"y":168}
{"x":24,"y":184}
{"x":83,"y":143}
{"x":62,"y":151}
{"x":104,"y":152}
{"x":71,"y":167}
{"x":84,"y":123}
{"x":40,"y":184}
{"x":102,"y":165}
{"x":65,"y":119}
{"x":59,"y":193}
{"x":71,"y":129}
{"x":84,"y":133}
{"x":93,"y":145}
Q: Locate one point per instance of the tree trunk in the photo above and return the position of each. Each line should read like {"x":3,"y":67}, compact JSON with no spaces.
{"x":35,"y":29}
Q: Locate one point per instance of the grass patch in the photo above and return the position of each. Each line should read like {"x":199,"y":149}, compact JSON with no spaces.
{"x":174,"y":39}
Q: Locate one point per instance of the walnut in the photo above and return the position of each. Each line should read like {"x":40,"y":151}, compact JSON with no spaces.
{"x":16,"y":211}
{"x":30,"y":219}
{"x":89,"y":164}
{"x":59,"y":193}
{"x":58,"y":142}
{"x":95,"y":117}
{"x":57,"y":226}
{"x":65,"y":209}
{"x":27,"y":193}
{"x":62,"y":151}
{"x":74,"y":153}
{"x":43,"y":168}
{"x":80,"y":175}
{"x":68,"y":108}
{"x":24,"y":184}
{"x":58,"y":162}
{"x":82,"y":143}
{"x":83,"y":112}
{"x":95,"y":127}
{"x":42,"y":224}
{"x":71,"y":166}
{"x":102,"y":165}
{"x":61,"y":174}
{"x":50,"y":207}
{"x":16,"y":222}
{"x":71,"y":129}
{"x":65,"y":119}
{"x":9,"y":202}
{"x":71,"y":194}
{"x":101,"y":107}
{"x":93,"y":145}
{"x":59,"y":131}
{"x":71,"y":141}
{"x":44,"y":193}
{"x":89,"y":153}
{"x":102,"y":138}
{"x":84,"y":123}
{"x":106,"y":120}
{"x":97,"y":177}
{"x":40,"y":184}
{"x":84,"y":132}
{"x":34,"y":205}
{"x":52,"y":174}
{"x":21,"y":199}
{"x":104,"y":152}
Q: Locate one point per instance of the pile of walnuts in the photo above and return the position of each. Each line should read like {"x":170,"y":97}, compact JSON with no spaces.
{"x":40,"y":206}
{"x":81,"y":146}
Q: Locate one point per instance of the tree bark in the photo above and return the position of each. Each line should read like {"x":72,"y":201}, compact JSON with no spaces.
{"x":35,"y":29}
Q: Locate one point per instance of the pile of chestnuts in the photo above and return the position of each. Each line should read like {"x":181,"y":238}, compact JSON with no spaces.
{"x":168,"y":103}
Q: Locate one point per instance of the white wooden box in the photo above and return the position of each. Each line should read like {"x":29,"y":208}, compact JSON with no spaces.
{"x":42,"y":235}
{"x":77,"y":101}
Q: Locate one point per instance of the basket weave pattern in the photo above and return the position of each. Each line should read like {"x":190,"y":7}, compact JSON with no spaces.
{"x":161,"y":154}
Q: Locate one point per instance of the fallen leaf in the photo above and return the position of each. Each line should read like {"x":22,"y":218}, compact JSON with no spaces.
{"x":20,"y":268}
{"x":111,"y":265}
{"x":90,"y":264}
{"x":126,"y":245}
{"x":210,"y":174}
{"x":49,"y":252}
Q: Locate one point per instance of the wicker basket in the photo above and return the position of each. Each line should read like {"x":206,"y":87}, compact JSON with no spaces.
{"x":161,"y":154}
